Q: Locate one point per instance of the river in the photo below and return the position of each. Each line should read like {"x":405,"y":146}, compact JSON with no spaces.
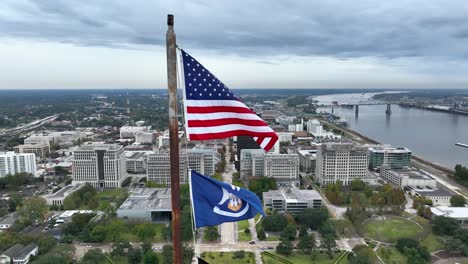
{"x":428,"y":134}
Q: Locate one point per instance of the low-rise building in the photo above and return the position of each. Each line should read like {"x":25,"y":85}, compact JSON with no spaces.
{"x":144,"y":137}
{"x":41,"y":149}
{"x":58,"y":197}
{"x":147,"y":205}
{"x":39,"y":138}
{"x":458,"y":213}
{"x":291,"y":200}
{"x":131,"y":131}
{"x":407,"y":177}
{"x":440,"y":195}
{"x":7,"y":221}
{"x":394,"y":158}
{"x":19,"y":254}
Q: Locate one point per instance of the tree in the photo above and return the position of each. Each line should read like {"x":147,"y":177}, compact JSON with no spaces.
{"x":306,"y":244}
{"x":289,"y":232}
{"x":45,"y":244}
{"x":98,"y":234}
{"x":442,"y":225}
{"x":55,"y":259}
{"x":285,"y":247}
{"x":457,"y":201}
{"x":329,"y":244}
{"x":146,"y":246}
{"x":313,"y":217}
{"x":211,"y":233}
{"x":15,"y":201}
{"x":145,"y":231}
{"x":118,"y":248}
{"x":261,"y":234}
{"x":150,"y":258}
{"x":93,"y":256}
{"x":302,"y":231}
{"x":33,"y":209}
{"x":238,"y":254}
{"x":167,"y":254}
{"x":115,"y":228}
{"x":275,"y":222}
{"x":134,"y":255}
{"x":63,"y":250}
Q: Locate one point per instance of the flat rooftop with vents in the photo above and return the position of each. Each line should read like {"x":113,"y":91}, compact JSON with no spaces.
{"x":147,"y":205}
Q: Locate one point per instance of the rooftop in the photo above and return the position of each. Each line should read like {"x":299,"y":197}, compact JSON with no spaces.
{"x":455,"y":212}
{"x":387,"y":148}
{"x":8,"y":219}
{"x":293,"y":194}
{"x":100,"y":146}
{"x":148,"y":199}
{"x":19,"y":251}
{"x":412,"y":174}
{"x":428,"y":191}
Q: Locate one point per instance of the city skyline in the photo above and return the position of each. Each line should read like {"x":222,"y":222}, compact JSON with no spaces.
{"x":329,"y":44}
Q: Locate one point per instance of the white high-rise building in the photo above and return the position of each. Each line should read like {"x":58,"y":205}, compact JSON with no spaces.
{"x":283,"y":167}
{"x":199,"y":159}
{"x":11,"y":163}
{"x":341,"y":162}
{"x":101,"y":165}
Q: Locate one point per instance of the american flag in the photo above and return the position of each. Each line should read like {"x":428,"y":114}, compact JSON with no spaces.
{"x":212,"y":111}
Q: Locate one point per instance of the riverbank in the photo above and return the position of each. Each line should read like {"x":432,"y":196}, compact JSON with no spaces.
{"x":429,"y":108}
{"x":366,"y":140}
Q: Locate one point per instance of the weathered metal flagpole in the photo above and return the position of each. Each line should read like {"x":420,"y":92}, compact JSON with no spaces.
{"x":174,"y":138}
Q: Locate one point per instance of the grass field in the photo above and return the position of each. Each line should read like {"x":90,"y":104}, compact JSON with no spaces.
{"x":391,"y":229}
{"x":130,"y":235}
{"x":241,"y":225}
{"x":297,"y":258}
{"x":226,"y":258}
{"x":243,"y":237}
{"x":395,"y":257}
{"x":433,"y":243}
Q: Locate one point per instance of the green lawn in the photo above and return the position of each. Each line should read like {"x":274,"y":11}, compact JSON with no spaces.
{"x":226,"y":258}
{"x":298,"y":258}
{"x":391,"y":229}
{"x":241,"y":225}
{"x":243,"y":237}
{"x":433,"y":242}
{"x":124,"y":259}
{"x":395,"y":256}
{"x":110,"y":193}
{"x":129,"y":234}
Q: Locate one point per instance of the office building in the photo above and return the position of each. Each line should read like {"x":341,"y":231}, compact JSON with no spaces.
{"x":147,"y":205}
{"x":286,"y":137}
{"x":211,"y":158}
{"x":396,"y":158}
{"x":144,"y":137}
{"x":341,"y":162}
{"x":101,"y":165}
{"x":244,"y":142}
{"x":136,"y":161}
{"x":67,"y":138}
{"x":41,"y":149}
{"x":307,"y":160}
{"x":284,"y":168}
{"x":131,"y":131}
{"x":291,"y":200}
{"x":11,"y":163}
{"x":39,"y":138}
{"x":440,"y":195}
{"x":249,"y":167}
{"x":407,"y":177}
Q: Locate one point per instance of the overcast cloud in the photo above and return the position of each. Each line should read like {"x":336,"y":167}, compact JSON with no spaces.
{"x":263,"y":43}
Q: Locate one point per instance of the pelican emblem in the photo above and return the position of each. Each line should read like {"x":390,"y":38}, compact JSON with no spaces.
{"x":234,"y":204}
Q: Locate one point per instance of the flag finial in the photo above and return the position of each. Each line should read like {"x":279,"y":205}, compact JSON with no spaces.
{"x":170,"y":20}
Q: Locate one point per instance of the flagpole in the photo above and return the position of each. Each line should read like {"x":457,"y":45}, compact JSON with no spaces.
{"x":173,"y":139}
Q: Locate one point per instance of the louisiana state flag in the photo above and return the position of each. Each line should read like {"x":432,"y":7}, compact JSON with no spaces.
{"x":216,"y":202}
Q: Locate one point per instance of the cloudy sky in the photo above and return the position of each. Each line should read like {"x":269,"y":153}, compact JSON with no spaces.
{"x":253,"y":44}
